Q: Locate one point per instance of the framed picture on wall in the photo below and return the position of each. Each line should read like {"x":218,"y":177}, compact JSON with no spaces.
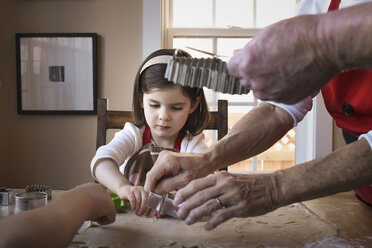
{"x":56,"y":73}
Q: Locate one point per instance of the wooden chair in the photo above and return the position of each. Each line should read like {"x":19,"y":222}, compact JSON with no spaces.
{"x":114,"y":119}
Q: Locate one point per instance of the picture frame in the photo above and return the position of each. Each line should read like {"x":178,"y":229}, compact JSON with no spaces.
{"x":56,"y":73}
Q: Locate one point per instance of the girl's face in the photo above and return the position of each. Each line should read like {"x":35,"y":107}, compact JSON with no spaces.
{"x":166,"y":112}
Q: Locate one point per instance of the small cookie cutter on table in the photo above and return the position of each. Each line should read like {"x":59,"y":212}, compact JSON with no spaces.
{"x":29,"y":200}
{"x":40,"y":188}
{"x":163,"y":204}
{"x":4,"y":197}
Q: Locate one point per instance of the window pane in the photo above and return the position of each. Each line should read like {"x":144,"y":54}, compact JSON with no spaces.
{"x":210,"y":136}
{"x":227,"y":46}
{"x":280,"y":156}
{"x":211,"y":98}
{"x":242,"y":166}
{"x":223,"y":13}
{"x":271,"y":11}
{"x":235,"y":114}
{"x":205,"y":44}
{"x":246,"y":98}
{"x":196,"y":13}
{"x":192,"y":13}
{"x":234,"y":13}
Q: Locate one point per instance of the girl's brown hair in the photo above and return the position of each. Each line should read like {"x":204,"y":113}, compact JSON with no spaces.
{"x":153,"y":78}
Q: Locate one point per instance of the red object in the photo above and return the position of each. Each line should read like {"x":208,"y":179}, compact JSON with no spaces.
{"x":146,"y":138}
{"x":348,"y":99}
{"x":334,"y":5}
{"x":352,"y":88}
{"x":365,"y":194}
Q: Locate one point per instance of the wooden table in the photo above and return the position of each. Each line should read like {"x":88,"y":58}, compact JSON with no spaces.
{"x":335,"y":221}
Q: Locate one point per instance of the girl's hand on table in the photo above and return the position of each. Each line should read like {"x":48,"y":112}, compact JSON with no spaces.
{"x":137,"y":198}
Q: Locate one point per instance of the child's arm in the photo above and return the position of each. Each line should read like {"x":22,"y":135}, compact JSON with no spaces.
{"x":55,"y":224}
{"x":108,"y":174}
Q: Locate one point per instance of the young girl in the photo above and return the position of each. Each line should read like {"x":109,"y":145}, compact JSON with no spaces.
{"x":166,"y":116}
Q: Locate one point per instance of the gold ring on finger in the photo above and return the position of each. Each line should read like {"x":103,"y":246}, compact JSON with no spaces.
{"x":219,"y":202}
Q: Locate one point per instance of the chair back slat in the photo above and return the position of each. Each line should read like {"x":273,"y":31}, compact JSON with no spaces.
{"x":117,"y":119}
{"x":219,"y":119}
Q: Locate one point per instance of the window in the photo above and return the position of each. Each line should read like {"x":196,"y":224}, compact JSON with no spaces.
{"x":220,"y":27}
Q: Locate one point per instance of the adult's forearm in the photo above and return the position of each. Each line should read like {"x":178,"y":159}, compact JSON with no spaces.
{"x":257,"y":131}
{"x":346,"y":38}
{"x":345,"y":169}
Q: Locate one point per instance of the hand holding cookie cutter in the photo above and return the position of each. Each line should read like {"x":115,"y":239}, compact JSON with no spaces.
{"x":163,"y":204}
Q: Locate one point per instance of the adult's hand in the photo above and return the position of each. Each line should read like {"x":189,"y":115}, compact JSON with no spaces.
{"x":228,"y":195}
{"x":286,"y":61}
{"x":174,"y":170}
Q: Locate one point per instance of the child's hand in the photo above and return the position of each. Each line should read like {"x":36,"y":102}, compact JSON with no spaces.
{"x":102,"y":210}
{"x":137,"y":198}
{"x":158,"y":214}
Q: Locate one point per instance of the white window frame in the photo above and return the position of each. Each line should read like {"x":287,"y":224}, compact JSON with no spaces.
{"x":313,"y":134}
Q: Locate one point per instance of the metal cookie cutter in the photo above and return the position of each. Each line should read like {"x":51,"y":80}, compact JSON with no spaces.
{"x":4,"y":196}
{"x":29,"y":200}
{"x":203,"y":72}
{"x":162,"y":204}
{"x":40,"y":188}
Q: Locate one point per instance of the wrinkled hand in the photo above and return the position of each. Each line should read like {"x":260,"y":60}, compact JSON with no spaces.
{"x":240,"y":196}
{"x":174,"y":170}
{"x":137,"y":197}
{"x":100,"y":208}
{"x":285,"y":62}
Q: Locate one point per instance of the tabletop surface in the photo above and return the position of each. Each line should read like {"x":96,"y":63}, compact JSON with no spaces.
{"x":339,"y":220}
